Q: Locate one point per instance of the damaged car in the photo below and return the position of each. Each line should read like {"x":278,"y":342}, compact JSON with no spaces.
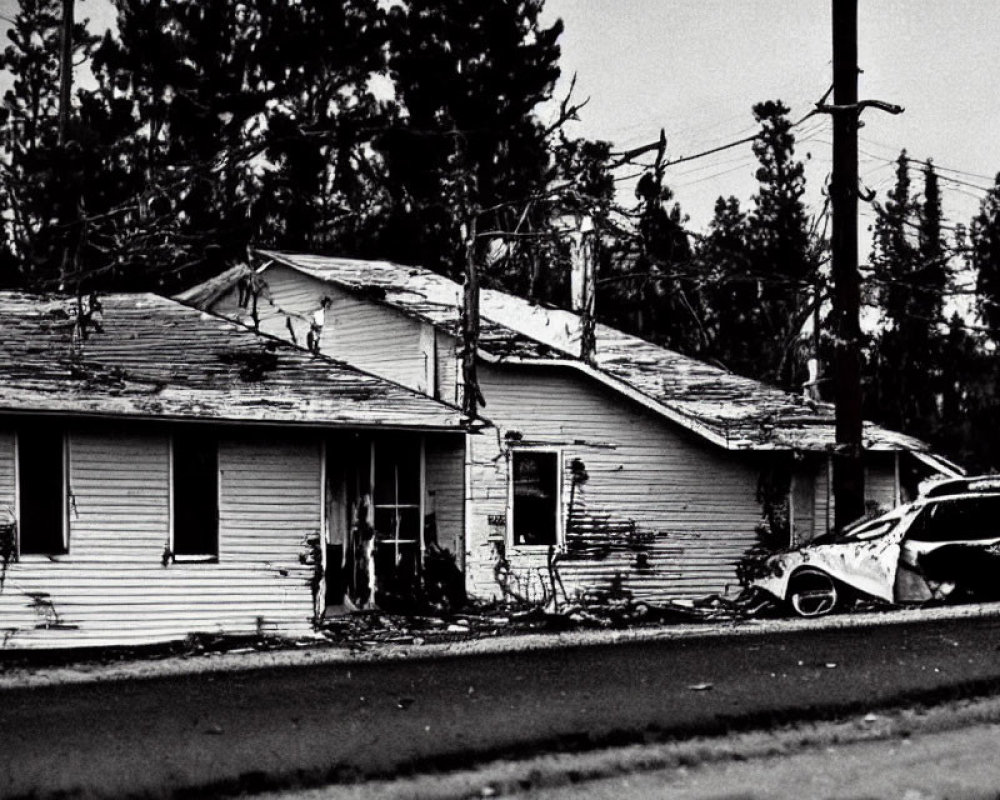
{"x":943,"y":546}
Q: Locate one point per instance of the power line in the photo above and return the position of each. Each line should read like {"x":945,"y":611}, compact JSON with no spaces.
{"x":628,"y":156}
{"x":937,"y":166}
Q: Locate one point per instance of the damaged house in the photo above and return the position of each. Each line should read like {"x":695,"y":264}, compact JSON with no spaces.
{"x":164,"y":471}
{"x":635,"y":470}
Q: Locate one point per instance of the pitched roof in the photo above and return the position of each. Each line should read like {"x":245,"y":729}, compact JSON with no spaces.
{"x":733,"y":411}
{"x":157,"y":358}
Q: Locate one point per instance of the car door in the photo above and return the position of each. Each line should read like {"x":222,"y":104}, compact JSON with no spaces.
{"x":956,"y":540}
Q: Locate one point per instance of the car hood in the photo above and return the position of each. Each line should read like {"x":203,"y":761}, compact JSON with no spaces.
{"x":868,"y":566}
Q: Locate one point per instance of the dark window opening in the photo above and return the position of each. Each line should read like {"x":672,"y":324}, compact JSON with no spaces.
{"x":196,"y":496}
{"x":42,"y":487}
{"x":536,"y":498}
{"x":396,"y":514}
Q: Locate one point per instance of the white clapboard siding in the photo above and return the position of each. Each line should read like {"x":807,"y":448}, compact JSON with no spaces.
{"x":112,"y":587}
{"x":448,"y":368}
{"x":7,"y":475}
{"x":803,"y":496}
{"x":444,"y":472}
{"x":880,"y":487}
{"x":369,"y":336}
{"x":880,"y":479}
{"x":696,"y":501}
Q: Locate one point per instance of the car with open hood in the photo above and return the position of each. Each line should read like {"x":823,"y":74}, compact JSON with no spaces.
{"x":944,"y":545}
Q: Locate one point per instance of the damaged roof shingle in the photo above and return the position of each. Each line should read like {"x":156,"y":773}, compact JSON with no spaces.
{"x":736,"y":412}
{"x":156,"y":357}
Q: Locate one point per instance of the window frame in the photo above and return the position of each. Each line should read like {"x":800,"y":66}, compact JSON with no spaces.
{"x":560,"y":541}
{"x":64,"y":500}
{"x":194,"y":558}
{"x":375,"y":447}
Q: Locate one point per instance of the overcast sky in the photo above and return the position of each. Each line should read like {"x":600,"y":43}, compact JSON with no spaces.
{"x":695,"y":67}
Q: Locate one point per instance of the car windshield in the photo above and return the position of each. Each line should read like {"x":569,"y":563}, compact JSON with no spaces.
{"x":864,"y":529}
{"x":870,"y":530}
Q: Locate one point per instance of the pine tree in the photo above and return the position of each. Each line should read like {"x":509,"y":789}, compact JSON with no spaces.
{"x":780,"y":244}
{"x":732,"y":290}
{"x":41,"y":179}
{"x":930,"y":278}
{"x":248,"y":125}
{"x":907,"y":371}
{"x":469,"y":77}
{"x":969,"y":431}
{"x":984,"y":258}
{"x":761,"y":266}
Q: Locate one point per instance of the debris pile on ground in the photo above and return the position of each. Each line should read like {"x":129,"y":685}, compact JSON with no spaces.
{"x":364,"y":629}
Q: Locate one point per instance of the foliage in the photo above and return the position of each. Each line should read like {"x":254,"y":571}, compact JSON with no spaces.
{"x":761,"y":267}
{"x":658,"y":296}
{"x":468,"y":77}
{"x":773,"y":490}
{"x":242,"y":121}
{"x":42,"y":179}
{"x":984,"y":257}
{"x":443,"y":586}
{"x":909,"y":359}
{"x":358,"y":128}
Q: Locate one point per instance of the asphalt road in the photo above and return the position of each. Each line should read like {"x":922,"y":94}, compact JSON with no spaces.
{"x":308,"y":725}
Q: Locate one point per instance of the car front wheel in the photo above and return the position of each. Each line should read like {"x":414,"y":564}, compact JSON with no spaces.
{"x":812,"y":593}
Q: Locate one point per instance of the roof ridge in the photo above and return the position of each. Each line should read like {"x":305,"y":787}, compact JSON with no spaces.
{"x":738,"y":410}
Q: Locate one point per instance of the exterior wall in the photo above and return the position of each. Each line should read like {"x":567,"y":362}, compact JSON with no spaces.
{"x":7,"y":480}
{"x":113,"y":587}
{"x":386,"y":343}
{"x":448,"y":368}
{"x":691,"y":507}
{"x":803,"y":500}
{"x":697,"y":502}
{"x":880,"y":480}
{"x":880,"y":489}
{"x":444,"y":459}
{"x":367,"y":335}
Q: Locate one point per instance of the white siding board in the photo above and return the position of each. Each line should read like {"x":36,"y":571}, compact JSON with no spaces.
{"x":7,"y":468}
{"x":880,"y":487}
{"x":112,"y":587}
{"x":697,"y":502}
{"x":448,"y":368}
{"x":444,"y":474}
{"x":880,"y":480}
{"x":369,"y":336}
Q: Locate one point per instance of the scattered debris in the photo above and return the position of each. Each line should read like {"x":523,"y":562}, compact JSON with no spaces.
{"x":368,"y":628}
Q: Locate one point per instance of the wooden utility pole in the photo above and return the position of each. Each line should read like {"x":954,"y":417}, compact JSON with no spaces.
{"x":848,"y":472}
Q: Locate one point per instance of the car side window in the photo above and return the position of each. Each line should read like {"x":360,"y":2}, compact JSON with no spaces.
{"x":968,"y":519}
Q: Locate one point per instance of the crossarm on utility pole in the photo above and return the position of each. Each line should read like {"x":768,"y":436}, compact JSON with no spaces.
{"x":857,"y":108}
